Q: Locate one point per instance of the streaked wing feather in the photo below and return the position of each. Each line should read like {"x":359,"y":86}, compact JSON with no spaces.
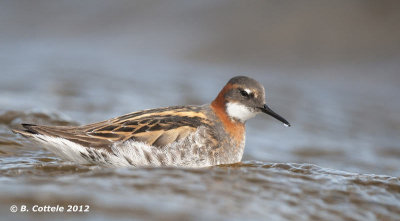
{"x":157,"y":127}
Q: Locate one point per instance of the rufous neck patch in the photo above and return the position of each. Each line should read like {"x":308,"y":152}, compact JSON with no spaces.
{"x":235,"y":129}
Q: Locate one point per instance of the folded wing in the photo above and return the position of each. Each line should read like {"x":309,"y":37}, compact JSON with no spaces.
{"x":156,"y":127}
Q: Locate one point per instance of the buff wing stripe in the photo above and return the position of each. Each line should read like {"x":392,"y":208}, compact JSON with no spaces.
{"x":156,"y":127}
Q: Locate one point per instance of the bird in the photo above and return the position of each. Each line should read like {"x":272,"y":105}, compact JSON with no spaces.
{"x":177,"y":136}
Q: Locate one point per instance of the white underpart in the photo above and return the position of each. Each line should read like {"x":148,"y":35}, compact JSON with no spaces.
{"x":63,"y":148}
{"x":239,"y":111}
{"x":189,"y":152}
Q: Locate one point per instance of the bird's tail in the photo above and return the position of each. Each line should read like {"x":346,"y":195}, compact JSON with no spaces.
{"x":28,"y":131}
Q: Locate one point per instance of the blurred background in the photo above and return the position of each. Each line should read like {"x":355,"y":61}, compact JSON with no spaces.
{"x":330,"y":67}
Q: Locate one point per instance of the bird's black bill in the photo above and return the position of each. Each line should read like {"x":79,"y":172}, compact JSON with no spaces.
{"x":270,"y":112}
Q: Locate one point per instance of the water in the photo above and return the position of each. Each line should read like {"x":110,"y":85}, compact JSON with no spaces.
{"x":280,"y":185}
{"x":248,"y":190}
{"x":338,"y":161}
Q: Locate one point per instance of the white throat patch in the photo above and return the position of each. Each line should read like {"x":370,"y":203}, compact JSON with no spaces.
{"x":239,"y":112}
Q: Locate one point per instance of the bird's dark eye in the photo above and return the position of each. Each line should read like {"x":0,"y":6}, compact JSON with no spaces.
{"x":244,"y":93}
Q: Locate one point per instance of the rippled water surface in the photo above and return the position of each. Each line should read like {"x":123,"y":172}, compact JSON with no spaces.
{"x":248,"y":190}
{"x":336,"y":81}
{"x":272,"y":189}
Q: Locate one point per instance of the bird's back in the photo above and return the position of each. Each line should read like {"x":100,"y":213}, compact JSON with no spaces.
{"x":170,"y":136}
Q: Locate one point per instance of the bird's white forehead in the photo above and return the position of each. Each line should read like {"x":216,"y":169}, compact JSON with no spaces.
{"x":239,"y":111}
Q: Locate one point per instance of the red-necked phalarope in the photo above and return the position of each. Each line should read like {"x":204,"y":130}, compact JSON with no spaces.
{"x":181,"y":136}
